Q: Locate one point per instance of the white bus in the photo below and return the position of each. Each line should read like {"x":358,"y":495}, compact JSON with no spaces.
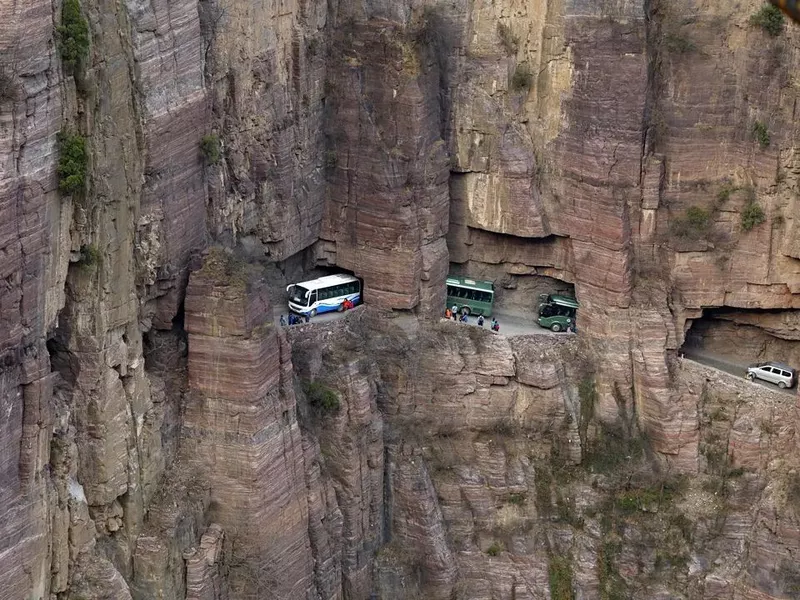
{"x":324,"y":294}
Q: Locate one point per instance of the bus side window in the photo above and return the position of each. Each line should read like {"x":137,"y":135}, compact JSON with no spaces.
{"x":449,"y":290}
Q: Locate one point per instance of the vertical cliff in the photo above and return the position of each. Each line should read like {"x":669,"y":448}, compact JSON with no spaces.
{"x":162,"y":439}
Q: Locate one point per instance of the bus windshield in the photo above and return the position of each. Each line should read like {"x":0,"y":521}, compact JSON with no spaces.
{"x":299,"y":295}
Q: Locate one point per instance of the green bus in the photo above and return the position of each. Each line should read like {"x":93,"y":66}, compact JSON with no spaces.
{"x":557,"y":312}
{"x":470,"y":296}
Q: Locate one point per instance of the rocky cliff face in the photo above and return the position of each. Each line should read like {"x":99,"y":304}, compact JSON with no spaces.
{"x":161,"y":440}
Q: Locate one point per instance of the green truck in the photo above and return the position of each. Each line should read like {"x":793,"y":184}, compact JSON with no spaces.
{"x":557,"y":312}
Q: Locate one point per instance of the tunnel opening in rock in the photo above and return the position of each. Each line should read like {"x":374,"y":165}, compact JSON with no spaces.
{"x":738,"y":337}
{"x":516,"y":293}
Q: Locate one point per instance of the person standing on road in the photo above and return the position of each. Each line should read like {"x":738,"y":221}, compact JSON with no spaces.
{"x":307,"y":317}
{"x":454,"y":310}
{"x":480,"y":321}
{"x":464,"y":318}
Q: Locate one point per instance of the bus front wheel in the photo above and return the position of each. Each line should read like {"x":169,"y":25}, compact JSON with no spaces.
{"x":465,"y":311}
{"x":556,"y":328}
{"x":313,"y":313}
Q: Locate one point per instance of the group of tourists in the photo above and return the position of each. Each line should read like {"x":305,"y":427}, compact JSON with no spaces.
{"x":295,"y":319}
{"x":452,"y":313}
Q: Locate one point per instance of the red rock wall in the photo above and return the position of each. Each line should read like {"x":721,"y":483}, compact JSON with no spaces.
{"x":242,"y":436}
{"x":580,"y":173}
{"x":386,"y":214}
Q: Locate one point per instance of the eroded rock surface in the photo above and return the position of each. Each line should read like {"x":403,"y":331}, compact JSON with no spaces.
{"x":642,"y":152}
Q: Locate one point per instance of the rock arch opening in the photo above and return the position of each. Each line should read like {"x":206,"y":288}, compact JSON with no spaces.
{"x":743,"y":336}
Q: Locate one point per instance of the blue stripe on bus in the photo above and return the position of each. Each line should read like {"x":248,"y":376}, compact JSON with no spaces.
{"x":323,"y":307}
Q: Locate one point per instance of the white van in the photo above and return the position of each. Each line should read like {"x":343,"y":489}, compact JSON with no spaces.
{"x":324,"y":294}
{"x":778,"y":373}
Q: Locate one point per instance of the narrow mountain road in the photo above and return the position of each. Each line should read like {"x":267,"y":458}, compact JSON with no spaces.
{"x":511,"y":323}
{"x":728,"y":366}
{"x":515,"y":324}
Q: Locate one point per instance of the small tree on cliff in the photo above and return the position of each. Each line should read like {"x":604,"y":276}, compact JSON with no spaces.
{"x":73,"y":159}
{"x":770,"y":19}
{"x":73,"y":35}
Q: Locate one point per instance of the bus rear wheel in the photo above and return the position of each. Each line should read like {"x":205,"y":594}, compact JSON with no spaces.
{"x":341,"y":307}
{"x":556,"y":327}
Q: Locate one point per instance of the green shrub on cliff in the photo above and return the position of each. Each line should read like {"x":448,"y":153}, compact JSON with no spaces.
{"x":761,"y":133}
{"x":321,"y":397}
{"x":522,"y":78}
{"x":211,"y":148}
{"x":494,"y":549}
{"x":724,"y":193}
{"x":559,"y":570}
{"x":73,"y":35}
{"x":72,"y":162}
{"x":90,"y":256}
{"x":770,"y":19}
{"x":752,"y":215}
{"x":692,"y":224}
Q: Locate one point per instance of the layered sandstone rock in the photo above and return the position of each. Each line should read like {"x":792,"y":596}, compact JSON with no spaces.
{"x":266,"y":75}
{"x":386,"y":215}
{"x":577,"y":136}
{"x":34,"y":243}
{"x":241,"y":433}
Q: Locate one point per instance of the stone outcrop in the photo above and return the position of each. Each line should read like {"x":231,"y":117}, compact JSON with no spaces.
{"x":240,"y":431}
{"x":347,"y":436}
{"x":386,"y":215}
{"x":204,"y":580}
